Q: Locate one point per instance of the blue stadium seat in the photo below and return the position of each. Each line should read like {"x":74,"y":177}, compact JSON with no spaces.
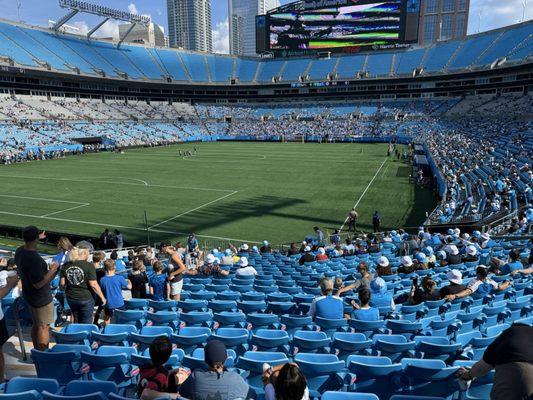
{"x":324,"y":372}
{"x":114,"y":335}
{"x":348,"y":396}
{"x":75,"y":334}
{"x":271,"y":340}
{"x":189,"y":338}
{"x":111,"y":364}
{"x":60,"y":363}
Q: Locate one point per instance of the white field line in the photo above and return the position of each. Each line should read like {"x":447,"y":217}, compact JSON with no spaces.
{"x":123,"y":227}
{"x":42,"y":199}
{"x":366,"y":189}
{"x":194,"y":209}
{"x":143,"y":183}
{"x":67,"y":209}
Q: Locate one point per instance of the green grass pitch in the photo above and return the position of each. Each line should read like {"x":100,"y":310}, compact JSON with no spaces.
{"x":228,"y":191}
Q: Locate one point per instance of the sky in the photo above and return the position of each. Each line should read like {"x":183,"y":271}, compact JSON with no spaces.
{"x":484,"y":15}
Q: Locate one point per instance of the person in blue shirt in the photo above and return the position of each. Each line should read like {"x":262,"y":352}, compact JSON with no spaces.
{"x":119,"y":264}
{"x":112,"y":286}
{"x":159,"y":287}
{"x":364,"y":312}
{"x":379,"y":295}
{"x":512,"y":265}
{"x":326,"y":306}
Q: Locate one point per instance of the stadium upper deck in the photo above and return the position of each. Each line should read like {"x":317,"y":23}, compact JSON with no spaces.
{"x":40,"y":49}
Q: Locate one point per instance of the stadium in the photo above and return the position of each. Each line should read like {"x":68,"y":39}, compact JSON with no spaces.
{"x":345,"y":215}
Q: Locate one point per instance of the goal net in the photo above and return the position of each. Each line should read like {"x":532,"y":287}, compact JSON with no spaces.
{"x":293,"y":138}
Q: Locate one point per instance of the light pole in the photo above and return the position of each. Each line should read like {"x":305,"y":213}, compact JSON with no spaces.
{"x":479,"y":21}
{"x":19,"y":4}
{"x":524,"y":5}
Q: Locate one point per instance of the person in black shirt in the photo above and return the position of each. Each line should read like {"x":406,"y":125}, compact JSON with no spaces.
{"x":307,"y":256}
{"x":456,"y":284}
{"x":36,"y":276}
{"x":452,"y":255}
{"x":511,"y":355}
{"x":138,"y":279}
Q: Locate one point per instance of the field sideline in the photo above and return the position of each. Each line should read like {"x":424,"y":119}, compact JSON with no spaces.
{"x":228,"y":191}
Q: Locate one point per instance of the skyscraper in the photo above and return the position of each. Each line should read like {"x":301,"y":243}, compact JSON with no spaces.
{"x":189,"y":24}
{"x":443,"y":20}
{"x":241,"y":16}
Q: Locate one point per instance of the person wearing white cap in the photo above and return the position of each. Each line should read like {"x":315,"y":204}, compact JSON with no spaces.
{"x":245,"y":269}
{"x":471,"y":254}
{"x":227,"y":258}
{"x":482,"y":285}
{"x":380,"y":296}
{"x":407,"y":265}
{"x":244,"y":248}
{"x":452,"y":255}
{"x":307,"y":257}
{"x":265,"y":248}
{"x":486,"y":241}
{"x":210,"y":268}
{"x":456,"y":283}
{"x":321,"y":255}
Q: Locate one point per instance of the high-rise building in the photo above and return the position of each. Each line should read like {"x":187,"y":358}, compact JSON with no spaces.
{"x":151,"y":35}
{"x":241,"y":17}
{"x":189,"y":24}
{"x":443,"y":20}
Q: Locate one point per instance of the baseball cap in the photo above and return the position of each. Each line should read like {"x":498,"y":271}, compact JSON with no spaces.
{"x":215,"y":352}
{"x":244,"y":247}
{"x":428,"y":250}
{"x":421,"y":257}
{"x":455,"y":276}
{"x":210,"y":259}
{"x":228,"y":252}
{"x":471,"y":250}
{"x":307,"y":249}
{"x":243,"y":262}
{"x":265,"y":243}
{"x":321,"y":251}
{"x":377,"y":284}
{"x":383,"y":261}
{"x":485,"y":236}
{"x":30,"y":233}
{"x":441,"y":255}
{"x":407,"y":261}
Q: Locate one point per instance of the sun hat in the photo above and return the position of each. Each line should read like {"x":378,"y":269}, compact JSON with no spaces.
{"x":453,"y":250}
{"x":307,"y":249}
{"x":471,"y":250}
{"x":243,"y":262}
{"x":244,"y":247}
{"x":455,"y":276}
{"x":210,"y":259}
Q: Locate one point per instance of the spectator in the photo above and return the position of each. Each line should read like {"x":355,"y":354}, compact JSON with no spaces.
{"x":352,"y":219}
{"x":65,"y":247}
{"x":513,"y":263}
{"x":227,"y":258}
{"x":326,"y":306}
{"x":427,"y":291}
{"x":455,"y":277}
{"x":78,"y":278}
{"x":156,"y":380}
{"x":98,"y":258}
{"x":320,"y":238}
{"x":138,"y":279}
{"x":285,"y":382}
{"x":210,"y":268}
{"x":407,"y":266}
{"x":36,"y":276}
{"x":11,"y":282}
{"x":366,"y":277}
{"x":293,"y":250}
{"x":511,"y":355}
{"x":244,"y":268}
{"x":119,"y":240}
{"x":175,"y":270}
{"x":481,"y":284}
{"x":192,"y":245}
{"x":471,"y":254}
{"x":265,"y":248}
{"x":216,"y":382}
{"x":307,"y":257}
{"x":321,"y":255}
{"x":421,"y":261}
{"x":376,"y":221}
{"x":363,"y":311}
{"x":452,"y":255}
{"x":384,"y":270}
{"x":119,"y":264}
{"x":159,"y":287}
{"x":380,"y":297}
{"x":112,"y":287}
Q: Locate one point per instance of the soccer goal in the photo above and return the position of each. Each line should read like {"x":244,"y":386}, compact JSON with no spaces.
{"x":293,"y":138}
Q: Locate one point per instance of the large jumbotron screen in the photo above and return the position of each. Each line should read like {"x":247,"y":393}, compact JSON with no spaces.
{"x":350,"y":26}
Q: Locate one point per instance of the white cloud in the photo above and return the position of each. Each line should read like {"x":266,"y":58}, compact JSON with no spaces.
{"x":107,"y":30}
{"x":132,"y":8}
{"x":221,"y":37}
{"x":492,"y":14}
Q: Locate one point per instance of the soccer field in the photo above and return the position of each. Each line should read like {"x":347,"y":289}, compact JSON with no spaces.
{"x":228,"y":191}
